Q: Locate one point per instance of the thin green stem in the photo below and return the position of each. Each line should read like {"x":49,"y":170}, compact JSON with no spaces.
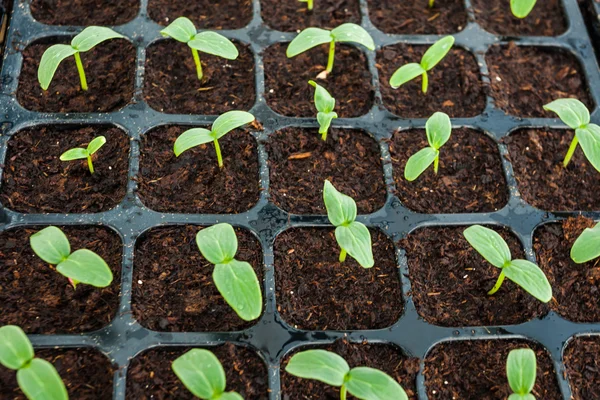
{"x":436,"y":164}
{"x":571,"y":151}
{"x":331,"y":56}
{"x":84,"y":85}
{"x":498,"y":283}
{"x":197,"y":62}
{"x":324,"y":135}
{"x":342,"y":255}
{"x":310,"y":5}
{"x":218,"y":150}
{"x":425,"y":79}
{"x":90,"y":165}
{"x":343,"y":391}
{"x":431,"y":3}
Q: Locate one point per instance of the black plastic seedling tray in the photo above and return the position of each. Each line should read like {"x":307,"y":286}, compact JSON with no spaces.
{"x":272,"y":338}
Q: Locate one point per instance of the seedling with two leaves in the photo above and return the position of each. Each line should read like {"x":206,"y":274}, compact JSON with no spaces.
{"x":79,"y":153}
{"x":325,"y":105}
{"x":521,"y":372}
{"x":587,"y":246}
{"x":438,"y":129}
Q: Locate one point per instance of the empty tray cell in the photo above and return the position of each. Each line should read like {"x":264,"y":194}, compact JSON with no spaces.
{"x":581,"y":362}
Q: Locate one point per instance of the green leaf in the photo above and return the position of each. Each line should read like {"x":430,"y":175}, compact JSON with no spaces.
{"x":571,"y":111}
{"x":231,"y":396}
{"x":321,"y":365}
{"x":230,"y":121}
{"x":192,"y":138}
{"x":74,"y":154}
{"x":239,"y":286}
{"x":489,"y":244}
{"x":182,"y":30}
{"x":218,"y":243}
{"x":215,"y":44}
{"x":50,"y":244}
{"x":589,"y":140}
{"x":436,"y":52}
{"x":40,"y":381}
{"x":521,"y":8}
{"x":372,"y":384}
{"x":353,"y":33}
{"x":419,"y":162}
{"x":531,"y":278}
{"x":307,"y":39}
{"x":406,"y":73}
{"x":87,"y":267}
{"x":587,"y":245}
{"x":201,"y":373}
{"x":324,"y":102}
{"x":341,"y":209}
{"x":438,"y":128}
{"x":521,"y":370}
{"x":15,"y":347}
{"x":324,"y":120}
{"x":92,"y":36}
{"x":95,"y":144}
{"x":51,"y":58}
{"x":356,"y":240}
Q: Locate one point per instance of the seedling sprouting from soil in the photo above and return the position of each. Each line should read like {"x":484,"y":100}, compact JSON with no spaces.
{"x":575,"y":114}
{"x":438,"y":129}
{"x":309,"y":4}
{"x":587,"y":245}
{"x":235,"y":280}
{"x":222,"y":126}
{"x":353,"y":237}
{"x":430,"y":59}
{"x":89,"y":38}
{"x":325,"y":105}
{"x":202,"y":374}
{"x":521,"y":8}
{"x":79,"y":153}
{"x":183,"y":30}
{"x":81,"y":266}
{"x":361,"y":382}
{"x":521,"y":373}
{"x":37,"y":378}
{"x":524,"y":273}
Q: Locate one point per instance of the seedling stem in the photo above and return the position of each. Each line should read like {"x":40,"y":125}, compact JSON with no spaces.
{"x":310,"y":5}
{"x":331,"y":57}
{"x":431,"y":3}
{"x":436,"y":164}
{"x":84,"y":85}
{"x":571,"y":151}
{"x":425,"y":82}
{"x":218,"y":151}
{"x":90,"y":165}
{"x":197,"y":62}
{"x":498,"y":283}
{"x":343,"y":391}
{"x":342,"y":255}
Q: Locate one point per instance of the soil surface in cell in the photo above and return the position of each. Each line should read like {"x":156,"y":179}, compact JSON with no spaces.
{"x":109,"y":69}
{"x":583,"y":370}
{"x":292,"y":15}
{"x":476,"y":369}
{"x":317,"y":292}
{"x":286,"y":80}
{"x":537,"y":158}
{"x":150,"y":376}
{"x":172,"y":85}
{"x":40,"y":300}
{"x":36,"y":180}
{"x":84,"y":12}
{"x":470,"y":176}
{"x":450,"y":281}
{"x":193,"y":182}
{"x":173,"y":289}
{"x":205,"y":14}
{"x":455,"y":86}
{"x":300,"y":162}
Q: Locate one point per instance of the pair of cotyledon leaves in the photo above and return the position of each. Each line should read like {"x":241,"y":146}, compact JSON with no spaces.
{"x":325,"y":104}
{"x":438,"y":129}
{"x":312,"y":37}
{"x":521,"y":372}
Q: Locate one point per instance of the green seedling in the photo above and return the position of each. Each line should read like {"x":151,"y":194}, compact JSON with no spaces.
{"x":89,"y":38}
{"x":576,"y":116}
{"x":235,"y":280}
{"x":325,"y":105}
{"x":79,"y":153}
{"x":430,"y":59}
{"x":353,"y":237}
{"x":312,"y":37}
{"x":81,"y":266}
{"x":222,"y":126}
{"x":183,"y":30}
{"x":202,"y":374}
{"x":438,"y":129}
{"x":587,"y":246}
{"x":361,"y":382}
{"x":37,"y":378}
{"x":309,"y":4}
{"x":521,"y":8}
{"x":524,"y":273}
{"x":521,"y":373}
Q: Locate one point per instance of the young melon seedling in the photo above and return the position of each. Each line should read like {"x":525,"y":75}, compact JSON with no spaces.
{"x":325,"y":105}
{"x":521,"y":372}
{"x":89,"y":38}
{"x":438,"y":129}
{"x":521,"y":8}
{"x":79,"y":153}
{"x":222,"y":126}
{"x":576,"y":115}
{"x":361,"y":382}
{"x":524,"y":273}
{"x":430,"y":59}
{"x":587,"y":246}
{"x":37,"y":378}
{"x":81,"y":266}
{"x":201,"y":373}
{"x":309,"y":4}
{"x":235,"y":280}
{"x":353,"y":237}
{"x":183,"y":30}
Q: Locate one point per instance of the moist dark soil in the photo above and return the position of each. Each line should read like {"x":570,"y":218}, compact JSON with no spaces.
{"x":173,"y":289}
{"x":415,"y":16}
{"x":193,"y":182}
{"x":583,"y":368}
{"x":317,"y":292}
{"x":387,"y":358}
{"x":40,"y":300}
{"x":286,"y":80}
{"x":537,"y":157}
{"x":299,"y":163}
{"x":450,"y":281}
{"x":172,"y":85}
{"x":470,"y":176}
{"x":87,"y":374}
{"x":205,"y":14}
{"x":35,"y":180}
{"x":476,"y":369}
{"x":524,"y":79}
{"x":84,"y":12}
{"x":110,"y":73}
{"x":149,"y":375}
{"x":455,"y":85}
{"x":292,"y":15}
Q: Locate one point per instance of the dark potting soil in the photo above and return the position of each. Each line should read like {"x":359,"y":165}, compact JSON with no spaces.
{"x":524,"y":79}
{"x":150,"y":376}
{"x":387,"y":358}
{"x":476,"y":369}
{"x":470,"y":176}
{"x":537,"y":157}
{"x":287,"y":90}
{"x":205,"y":14}
{"x":110,"y":73}
{"x":36,"y":180}
{"x":292,"y":15}
{"x":455,"y":86}
{"x":317,"y":292}
{"x":299,"y":163}
{"x":193,"y":182}
{"x":415,"y":16}
{"x":172,"y":85}
{"x":450,"y":281}
{"x":173,"y":289}
{"x":40,"y":300}
{"x":84,"y":12}
{"x":87,"y":374}
{"x":583,"y":368}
